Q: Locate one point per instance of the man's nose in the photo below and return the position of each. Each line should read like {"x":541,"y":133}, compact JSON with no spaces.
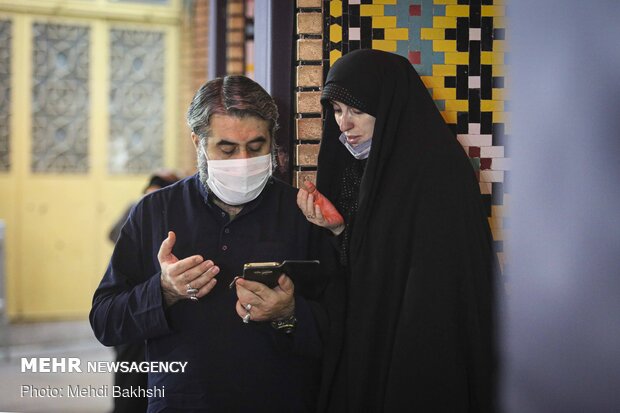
{"x":243,"y":153}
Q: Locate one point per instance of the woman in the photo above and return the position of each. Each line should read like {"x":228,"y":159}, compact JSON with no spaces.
{"x":414,"y":331}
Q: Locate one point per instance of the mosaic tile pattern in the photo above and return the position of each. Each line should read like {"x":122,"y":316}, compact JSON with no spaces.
{"x":136,"y":101}
{"x":458,"y":48}
{"x":5,"y":93}
{"x":60,"y":98}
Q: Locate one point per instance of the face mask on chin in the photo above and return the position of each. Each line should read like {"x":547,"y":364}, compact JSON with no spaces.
{"x":238,"y":181}
{"x":360,"y":151}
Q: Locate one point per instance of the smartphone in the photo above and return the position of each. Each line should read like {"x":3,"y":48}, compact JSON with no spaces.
{"x":269,"y":272}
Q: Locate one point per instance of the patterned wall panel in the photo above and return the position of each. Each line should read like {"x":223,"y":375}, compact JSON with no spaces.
{"x":136,"y":101}
{"x":60,"y":98}
{"x":458,"y":48}
{"x":5,"y":93}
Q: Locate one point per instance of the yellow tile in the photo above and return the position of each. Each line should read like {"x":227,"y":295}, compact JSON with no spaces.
{"x":498,"y":234}
{"x":445,"y":1}
{"x":385,"y":45}
{"x":444,"y":70}
{"x":383,"y":1}
{"x":449,"y":117}
{"x":490,"y":58}
{"x":333,"y":56}
{"x":493,"y":11}
{"x":444,"y":22}
{"x":497,"y":2}
{"x":444,"y":45}
{"x":457,"y":10}
{"x":433,"y":81}
{"x":499,"y":22}
{"x":491,"y":106}
{"x":443,"y":93}
{"x":335,"y":8}
{"x":457,"y":58}
{"x":495,"y":222}
{"x":499,"y":45}
{"x":457,"y":105}
{"x":383,"y":22}
{"x":371,"y":10}
{"x":397,"y":34}
{"x":499,"y":117}
{"x":431,"y":34}
{"x":499,"y":211}
{"x":499,"y":70}
{"x":498,"y":94}
{"x":335,"y":33}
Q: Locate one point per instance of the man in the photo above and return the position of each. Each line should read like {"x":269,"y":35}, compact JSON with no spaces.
{"x":249,"y":348}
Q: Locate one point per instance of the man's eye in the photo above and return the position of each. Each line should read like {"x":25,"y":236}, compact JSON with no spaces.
{"x":228,"y":150}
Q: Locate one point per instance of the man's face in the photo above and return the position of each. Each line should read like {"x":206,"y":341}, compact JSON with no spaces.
{"x":236,"y":138}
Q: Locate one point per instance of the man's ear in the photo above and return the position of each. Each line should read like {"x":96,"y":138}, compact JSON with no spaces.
{"x":196,"y":140}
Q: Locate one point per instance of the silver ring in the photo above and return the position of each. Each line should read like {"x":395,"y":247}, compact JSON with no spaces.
{"x":193,"y":298}
{"x":192,"y":291}
{"x":248,"y":307}
{"x":246,"y":318}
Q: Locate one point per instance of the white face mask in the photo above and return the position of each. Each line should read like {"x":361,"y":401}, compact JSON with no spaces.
{"x":238,"y":181}
{"x":360,"y":151}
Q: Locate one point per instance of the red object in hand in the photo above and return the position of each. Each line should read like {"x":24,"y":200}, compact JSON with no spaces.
{"x":328,"y":210}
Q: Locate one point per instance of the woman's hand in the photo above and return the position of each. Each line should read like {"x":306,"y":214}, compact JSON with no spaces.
{"x":318,"y":209}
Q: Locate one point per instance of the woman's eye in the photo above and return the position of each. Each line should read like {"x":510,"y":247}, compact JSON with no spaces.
{"x":337,"y":110}
{"x":356,"y":111}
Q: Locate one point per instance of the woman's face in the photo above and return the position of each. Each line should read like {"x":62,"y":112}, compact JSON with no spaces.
{"x":357,"y":126}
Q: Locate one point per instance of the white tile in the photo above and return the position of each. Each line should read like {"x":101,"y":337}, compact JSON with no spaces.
{"x":354,"y":32}
{"x":491,"y":176}
{"x":474,"y":82}
{"x":475,"y":140}
{"x":474,"y":34}
{"x":500,"y":164}
{"x":474,"y":129}
{"x":354,"y":1}
{"x":492,"y":152}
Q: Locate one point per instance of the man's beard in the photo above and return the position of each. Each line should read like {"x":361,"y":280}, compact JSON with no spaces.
{"x":203,"y":171}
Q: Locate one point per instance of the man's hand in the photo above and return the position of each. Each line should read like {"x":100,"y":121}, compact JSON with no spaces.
{"x":318,"y":209}
{"x":179,"y":275}
{"x":263,"y":303}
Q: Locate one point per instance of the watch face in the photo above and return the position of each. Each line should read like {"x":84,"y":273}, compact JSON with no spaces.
{"x":286,"y":325}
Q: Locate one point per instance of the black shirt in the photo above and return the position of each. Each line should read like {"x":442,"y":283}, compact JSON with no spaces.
{"x":232,"y":366}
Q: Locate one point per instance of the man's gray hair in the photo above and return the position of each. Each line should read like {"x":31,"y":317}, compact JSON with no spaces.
{"x":237,"y":96}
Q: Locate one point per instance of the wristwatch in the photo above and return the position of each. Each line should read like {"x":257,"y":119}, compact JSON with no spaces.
{"x":286,"y":325}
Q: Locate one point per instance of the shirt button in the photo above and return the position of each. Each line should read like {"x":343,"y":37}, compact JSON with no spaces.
{"x":224,"y":247}
{"x":227,"y":231}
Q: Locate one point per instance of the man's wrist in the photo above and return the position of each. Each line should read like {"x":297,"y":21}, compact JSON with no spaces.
{"x":287,"y":324}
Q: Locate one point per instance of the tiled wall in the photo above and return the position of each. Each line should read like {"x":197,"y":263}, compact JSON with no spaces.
{"x":457,"y":47}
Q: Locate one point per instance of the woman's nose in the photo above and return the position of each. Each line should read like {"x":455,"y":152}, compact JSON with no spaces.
{"x":345,"y":123}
